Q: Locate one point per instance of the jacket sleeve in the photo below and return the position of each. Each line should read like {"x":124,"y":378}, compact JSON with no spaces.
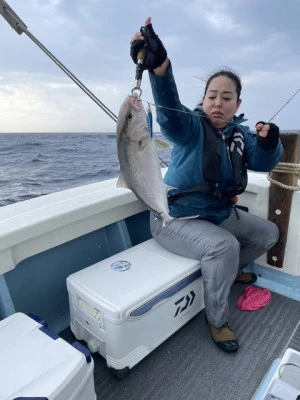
{"x":177,"y":122}
{"x":258,"y":158}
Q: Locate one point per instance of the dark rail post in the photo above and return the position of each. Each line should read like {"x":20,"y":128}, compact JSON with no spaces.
{"x":280,"y":199}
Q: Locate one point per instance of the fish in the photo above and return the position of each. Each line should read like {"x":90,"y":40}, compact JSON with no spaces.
{"x":140,"y":169}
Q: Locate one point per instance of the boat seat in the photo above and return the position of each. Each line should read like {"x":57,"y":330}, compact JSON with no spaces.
{"x":116,"y":303}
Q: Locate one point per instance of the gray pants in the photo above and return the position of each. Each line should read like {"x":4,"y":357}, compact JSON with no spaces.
{"x":221,"y":250}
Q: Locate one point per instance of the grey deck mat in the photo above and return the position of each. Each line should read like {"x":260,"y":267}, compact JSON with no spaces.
{"x":294,"y":342}
{"x":188,"y":366}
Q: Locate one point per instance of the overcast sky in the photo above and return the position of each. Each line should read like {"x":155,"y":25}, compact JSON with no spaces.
{"x":260,"y":39}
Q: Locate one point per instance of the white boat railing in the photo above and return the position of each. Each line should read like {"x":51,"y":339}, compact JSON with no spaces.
{"x":30,"y":227}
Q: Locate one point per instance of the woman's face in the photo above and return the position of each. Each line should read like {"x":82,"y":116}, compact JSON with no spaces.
{"x":220,"y":102}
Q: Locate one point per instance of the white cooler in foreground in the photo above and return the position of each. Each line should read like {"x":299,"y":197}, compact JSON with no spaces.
{"x":126,"y":305}
{"x":36,"y":363}
{"x":283,"y":378}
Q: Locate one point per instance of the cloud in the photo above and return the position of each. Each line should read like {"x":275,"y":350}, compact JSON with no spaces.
{"x":173,"y":42}
{"x":268,"y":77}
{"x":109,"y":88}
{"x":215,"y":13}
{"x":91,"y":39}
{"x":59,"y":86}
{"x":41,"y":104}
{"x":270,"y":47}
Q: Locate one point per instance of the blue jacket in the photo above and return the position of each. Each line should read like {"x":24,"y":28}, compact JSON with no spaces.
{"x":184,"y":129}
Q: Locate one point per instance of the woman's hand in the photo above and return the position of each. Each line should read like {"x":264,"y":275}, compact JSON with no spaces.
{"x":155,"y":57}
{"x":267,"y":134}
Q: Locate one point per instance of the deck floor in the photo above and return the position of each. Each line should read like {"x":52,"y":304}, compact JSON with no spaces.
{"x":188,"y":366}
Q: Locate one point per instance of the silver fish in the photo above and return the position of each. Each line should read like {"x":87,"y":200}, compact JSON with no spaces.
{"x":138,"y":159}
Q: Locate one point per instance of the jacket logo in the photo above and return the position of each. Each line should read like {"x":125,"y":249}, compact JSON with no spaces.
{"x":189,"y":299}
{"x":237,"y":143}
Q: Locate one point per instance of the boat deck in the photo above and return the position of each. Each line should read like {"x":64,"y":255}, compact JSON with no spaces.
{"x":188,"y":366}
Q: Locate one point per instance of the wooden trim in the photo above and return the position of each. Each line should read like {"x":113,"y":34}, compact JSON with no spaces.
{"x":280,"y":199}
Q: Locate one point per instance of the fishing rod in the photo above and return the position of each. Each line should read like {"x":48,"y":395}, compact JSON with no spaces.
{"x":19,"y":26}
{"x":285,"y":104}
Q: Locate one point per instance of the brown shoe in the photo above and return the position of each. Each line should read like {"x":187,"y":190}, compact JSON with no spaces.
{"x":224,"y":337}
{"x":246,"y":278}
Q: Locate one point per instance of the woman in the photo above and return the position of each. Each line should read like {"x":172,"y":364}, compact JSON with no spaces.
{"x":208,"y":168}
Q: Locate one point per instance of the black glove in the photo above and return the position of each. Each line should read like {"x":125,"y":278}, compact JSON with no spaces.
{"x":155,"y":53}
{"x":271,"y":140}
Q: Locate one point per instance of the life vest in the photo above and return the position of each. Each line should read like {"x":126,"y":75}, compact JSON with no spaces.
{"x":212,"y":166}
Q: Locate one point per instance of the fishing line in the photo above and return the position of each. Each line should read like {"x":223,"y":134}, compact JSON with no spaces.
{"x":19,"y":26}
{"x":185,"y":112}
{"x":205,"y":116}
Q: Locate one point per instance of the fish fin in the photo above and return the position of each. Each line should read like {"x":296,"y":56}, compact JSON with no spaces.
{"x":122,"y":183}
{"x":189,"y":217}
{"x":162,"y":144}
{"x":168,"y":187}
{"x":166,"y":222}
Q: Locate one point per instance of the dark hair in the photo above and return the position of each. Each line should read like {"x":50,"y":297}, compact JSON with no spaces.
{"x":229,"y":74}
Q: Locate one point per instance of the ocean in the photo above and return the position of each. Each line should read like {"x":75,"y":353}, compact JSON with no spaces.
{"x":33,"y":165}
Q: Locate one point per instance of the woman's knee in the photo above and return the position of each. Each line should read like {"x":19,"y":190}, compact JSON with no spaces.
{"x":227,"y":246}
{"x":273,"y":235}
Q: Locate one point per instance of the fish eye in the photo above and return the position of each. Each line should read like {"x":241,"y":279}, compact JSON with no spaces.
{"x":129,"y":116}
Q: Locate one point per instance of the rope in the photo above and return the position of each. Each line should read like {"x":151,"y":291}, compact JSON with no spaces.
{"x":285,"y":168}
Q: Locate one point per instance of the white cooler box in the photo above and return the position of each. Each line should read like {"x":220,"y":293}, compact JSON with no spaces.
{"x":126,"y":305}
{"x":284,"y":384}
{"x":36,"y":364}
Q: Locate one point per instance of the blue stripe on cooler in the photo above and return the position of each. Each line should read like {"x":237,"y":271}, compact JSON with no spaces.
{"x":166,"y":294}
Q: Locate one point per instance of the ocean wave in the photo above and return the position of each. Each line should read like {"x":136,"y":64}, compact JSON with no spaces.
{"x":66,"y":149}
{"x":39,"y":158}
{"x":32,"y":144}
{"x":109,"y":135}
{"x":20,"y":144}
{"x":34,"y":165}
{"x":31,"y":182}
{"x":11,"y":200}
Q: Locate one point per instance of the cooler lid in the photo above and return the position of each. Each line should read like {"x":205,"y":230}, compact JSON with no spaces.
{"x":127,"y":280}
{"x":34,"y":364}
